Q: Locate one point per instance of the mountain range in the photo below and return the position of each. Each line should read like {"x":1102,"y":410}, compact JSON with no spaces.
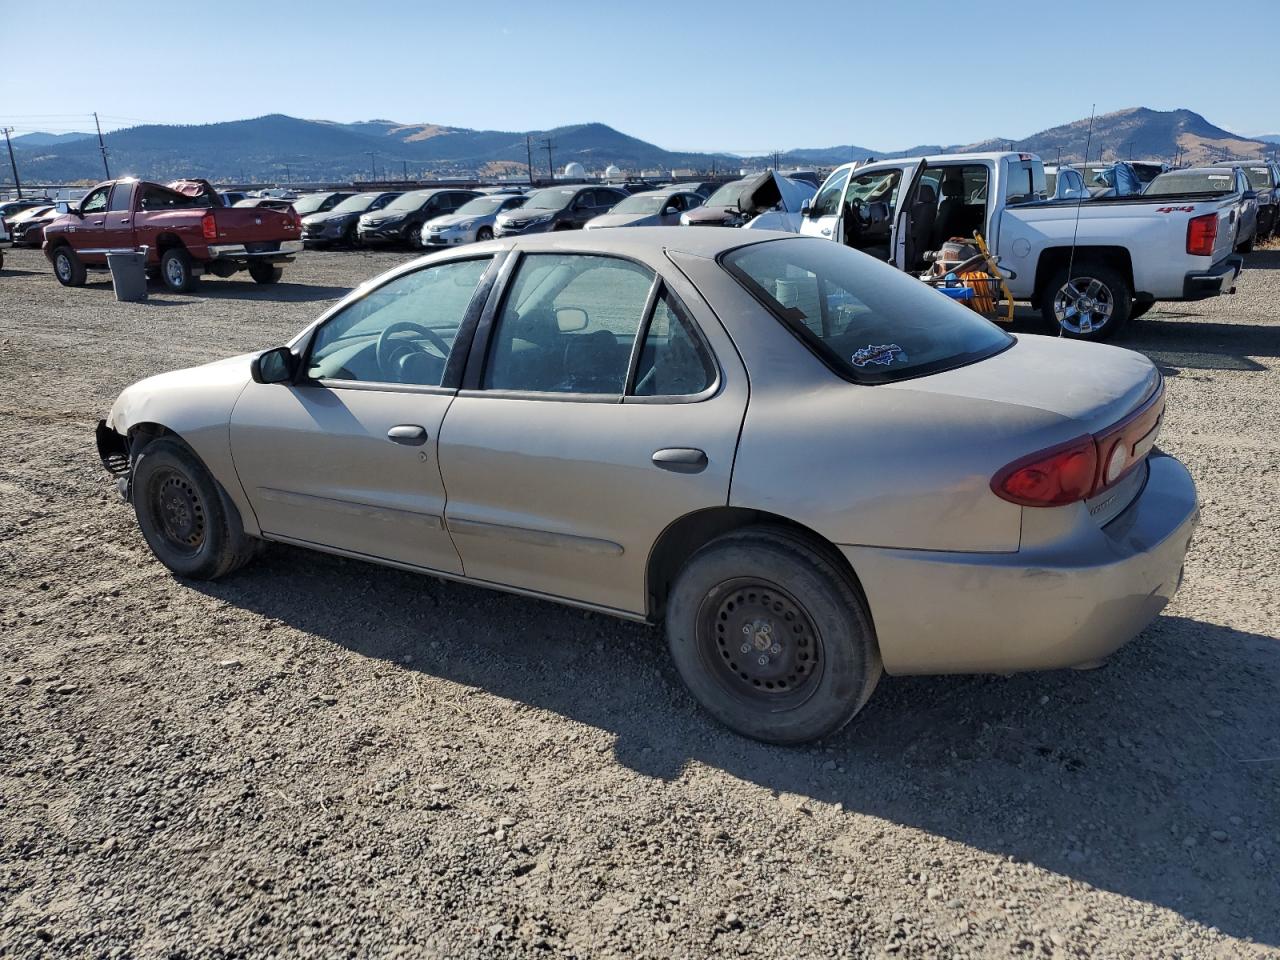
{"x":280,"y":148}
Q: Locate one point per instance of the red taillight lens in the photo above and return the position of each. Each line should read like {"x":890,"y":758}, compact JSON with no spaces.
{"x":1202,"y":234}
{"x":1050,"y":478}
{"x":209,"y":226}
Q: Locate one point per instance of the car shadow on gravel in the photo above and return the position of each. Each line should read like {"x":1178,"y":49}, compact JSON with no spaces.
{"x":283,"y":292}
{"x":1156,"y":777}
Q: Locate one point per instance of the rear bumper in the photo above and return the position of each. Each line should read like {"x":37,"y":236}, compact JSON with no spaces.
{"x":1052,"y":607}
{"x":1209,"y":283}
{"x":238,"y":251}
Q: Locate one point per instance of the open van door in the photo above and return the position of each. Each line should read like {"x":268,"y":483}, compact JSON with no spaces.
{"x":900,"y":243}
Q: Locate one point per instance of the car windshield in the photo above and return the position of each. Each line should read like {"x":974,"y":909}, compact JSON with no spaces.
{"x":482,"y":206}
{"x":727,"y":196}
{"x":357,"y":204}
{"x":408,"y":202}
{"x":553,"y":198}
{"x":640,"y":204}
{"x":867,"y":321}
{"x":1192,"y":181}
{"x":304,"y":205}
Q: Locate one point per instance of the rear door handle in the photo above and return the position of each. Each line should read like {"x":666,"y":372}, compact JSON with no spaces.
{"x":680,"y":459}
{"x":410,"y":434}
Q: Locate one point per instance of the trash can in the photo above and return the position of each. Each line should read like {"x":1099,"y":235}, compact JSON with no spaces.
{"x":129,"y":274}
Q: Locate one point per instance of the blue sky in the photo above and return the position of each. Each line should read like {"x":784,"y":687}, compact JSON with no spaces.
{"x":747,"y":76}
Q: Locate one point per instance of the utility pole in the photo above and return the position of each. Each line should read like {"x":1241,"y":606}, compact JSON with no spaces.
{"x":528,"y":150}
{"x":404,"y":165}
{"x":288,"y":177}
{"x":550,"y":163}
{"x":13,"y":163}
{"x":373,"y":166}
{"x":101,"y":146}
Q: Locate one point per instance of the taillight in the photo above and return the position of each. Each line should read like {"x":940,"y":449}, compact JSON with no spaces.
{"x":209,"y":226}
{"x":1050,"y":478}
{"x":1083,"y":467}
{"x":1202,"y":234}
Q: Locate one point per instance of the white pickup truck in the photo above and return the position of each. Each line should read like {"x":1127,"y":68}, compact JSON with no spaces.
{"x":1124,"y":253}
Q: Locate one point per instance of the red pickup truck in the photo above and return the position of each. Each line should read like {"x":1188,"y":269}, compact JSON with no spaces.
{"x":183,"y":226}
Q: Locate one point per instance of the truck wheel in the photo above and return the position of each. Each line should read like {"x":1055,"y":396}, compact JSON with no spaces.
{"x":68,"y":268}
{"x":186,"y":518}
{"x":1247,"y":246}
{"x":1093,"y":303}
{"x":265,"y":272}
{"x":176,"y":272}
{"x":771,"y":637}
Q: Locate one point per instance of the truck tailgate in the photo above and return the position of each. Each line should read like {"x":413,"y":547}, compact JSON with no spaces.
{"x":251,"y":225}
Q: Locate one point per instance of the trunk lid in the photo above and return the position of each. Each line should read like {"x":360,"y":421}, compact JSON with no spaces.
{"x":1092,"y":385}
{"x":254,"y":225}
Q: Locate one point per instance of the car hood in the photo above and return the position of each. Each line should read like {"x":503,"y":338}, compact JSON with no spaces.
{"x":179,"y":396}
{"x":1089,"y":384}
{"x":523,"y":213}
{"x":705,"y":214}
{"x":381,"y":216}
{"x":329,"y":215}
{"x":453,"y":219}
{"x":624,"y":220}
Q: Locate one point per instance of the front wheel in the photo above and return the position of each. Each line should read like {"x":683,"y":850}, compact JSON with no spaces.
{"x":68,"y":268}
{"x":186,"y":519}
{"x":176,"y":270}
{"x":265,"y":272}
{"x":1091,"y":302}
{"x":483,"y":234}
{"x":772,"y":637}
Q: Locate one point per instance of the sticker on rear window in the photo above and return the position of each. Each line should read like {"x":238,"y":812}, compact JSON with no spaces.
{"x":882,"y":354}
{"x":1214,"y":176}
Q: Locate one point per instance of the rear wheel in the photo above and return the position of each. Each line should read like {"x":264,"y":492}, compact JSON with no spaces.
{"x":1091,"y":302}
{"x":1247,"y":246}
{"x":771,"y":637}
{"x":176,"y":270}
{"x":265,"y":272}
{"x":186,"y":518}
{"x":68,"y":268}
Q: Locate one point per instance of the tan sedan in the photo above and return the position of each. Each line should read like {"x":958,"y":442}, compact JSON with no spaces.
{"x":812,"y":466}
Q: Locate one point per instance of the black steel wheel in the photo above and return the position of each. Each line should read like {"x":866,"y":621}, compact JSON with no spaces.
{"x":772,"y":636}
{"x":187,"y":519}
{"x":759,"y":642}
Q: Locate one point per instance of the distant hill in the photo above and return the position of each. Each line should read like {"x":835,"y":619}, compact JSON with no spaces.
{"x":278,"y":148}
{"x":1137,"y":132}
{"x":1269,"y":138}
{"x":46,"y":139}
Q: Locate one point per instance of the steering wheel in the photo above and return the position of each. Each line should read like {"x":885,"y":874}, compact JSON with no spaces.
{"x":388,"y":351}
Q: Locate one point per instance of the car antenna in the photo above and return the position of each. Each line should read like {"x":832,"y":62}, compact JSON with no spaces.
{"x":1075,"y":230}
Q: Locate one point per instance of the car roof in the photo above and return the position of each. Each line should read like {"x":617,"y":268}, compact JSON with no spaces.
{"x":651,"y":244}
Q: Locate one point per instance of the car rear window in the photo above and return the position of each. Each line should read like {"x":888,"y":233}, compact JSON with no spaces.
{"x":867,"y":321}
{"x":1192,"y":181}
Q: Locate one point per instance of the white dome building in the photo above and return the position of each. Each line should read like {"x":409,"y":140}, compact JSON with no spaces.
{"x":611,"y":172}
{"x":574,"y":171}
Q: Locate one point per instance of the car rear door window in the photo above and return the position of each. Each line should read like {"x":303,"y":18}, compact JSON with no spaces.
{"x":568,"y":324}
{"x":401,"y":332}
{"x":867,"y":321}
{"x":674,"y":361}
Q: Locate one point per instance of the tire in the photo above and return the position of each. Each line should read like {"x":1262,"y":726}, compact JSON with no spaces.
{"x":1140,"y":308}
{"x":176,"y":271}
{"x":1247,"y":246}
{"x":265,"y":272}
{"x":351,"y":238}
{"x":413,"y":237}
{"x":68,"y":268}
{"x":1100,"y":287}
{"x":748,"y":589}
{"x":483,"y":234}
{"x":186,"y":518}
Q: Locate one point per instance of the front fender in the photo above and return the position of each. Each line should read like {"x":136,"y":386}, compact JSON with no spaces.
{"x":196,"y":405}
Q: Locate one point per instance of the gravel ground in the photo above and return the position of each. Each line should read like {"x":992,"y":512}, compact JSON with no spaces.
{"x":317,"y":757}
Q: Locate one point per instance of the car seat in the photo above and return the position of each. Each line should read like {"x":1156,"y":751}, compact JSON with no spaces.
{"x":951,"y":212}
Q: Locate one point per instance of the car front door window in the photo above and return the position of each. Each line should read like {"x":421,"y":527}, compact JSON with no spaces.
{"x":401,"y":332}
{"x":95,"y":202}
{"x":568,"y":325}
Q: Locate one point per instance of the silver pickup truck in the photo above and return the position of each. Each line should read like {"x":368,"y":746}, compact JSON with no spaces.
{"x":1089,"y":267}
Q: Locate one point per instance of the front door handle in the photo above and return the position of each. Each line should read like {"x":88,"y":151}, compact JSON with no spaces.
{"x":410,"y":434}
{"x":680,"y":459}
{"x":826,"y":231}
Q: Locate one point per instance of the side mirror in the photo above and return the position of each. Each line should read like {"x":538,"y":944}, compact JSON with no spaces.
{"x":1249,"y":195}
{"x":278,"y":365}
{"x":669,"y":211}
{"x":62,"y":207}
{"x":571,"y":319}
{"x":806,"y":207}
